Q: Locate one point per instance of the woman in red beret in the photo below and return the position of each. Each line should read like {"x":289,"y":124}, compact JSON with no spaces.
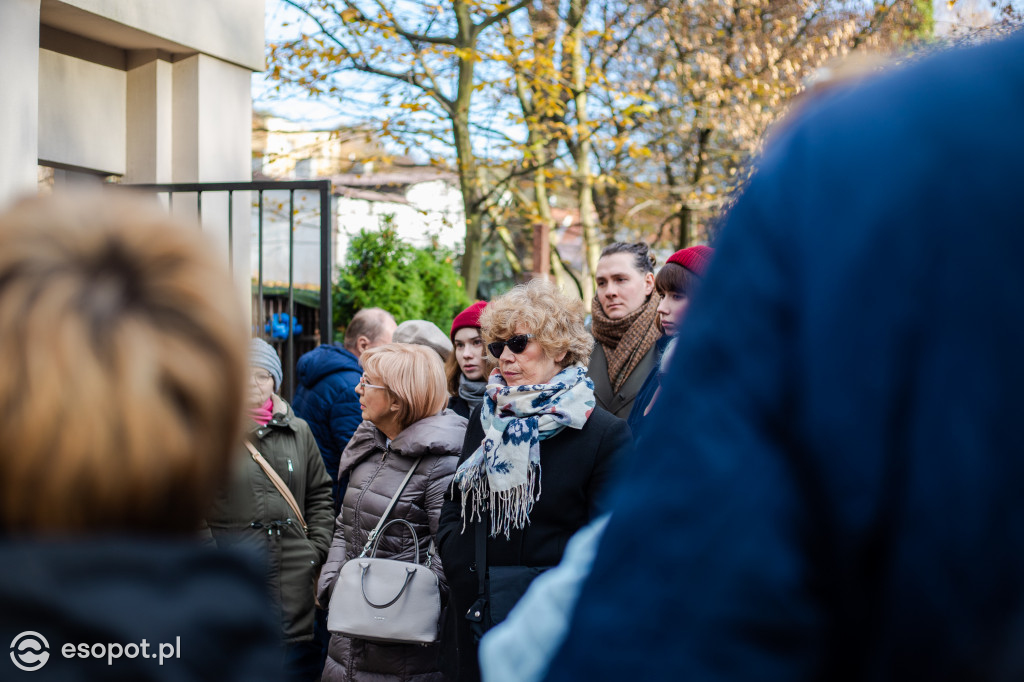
{"x":467,"y":368}
{"x":676,"y":283}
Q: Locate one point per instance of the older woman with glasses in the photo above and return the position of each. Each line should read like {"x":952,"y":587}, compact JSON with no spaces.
{"x":537,"y":459}
{"x":402,"y":396}
{"x":252,"y":511}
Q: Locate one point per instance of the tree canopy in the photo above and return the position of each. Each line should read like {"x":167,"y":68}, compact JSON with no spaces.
{"x":628,"y":119}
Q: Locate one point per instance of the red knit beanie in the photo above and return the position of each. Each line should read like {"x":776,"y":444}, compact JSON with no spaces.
{"x":470,"y":317}
{"x":694,"y":258}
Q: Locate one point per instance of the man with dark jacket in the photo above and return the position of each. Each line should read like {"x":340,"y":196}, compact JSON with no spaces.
{"x":832,"y":489}
{"x":325,"y":396}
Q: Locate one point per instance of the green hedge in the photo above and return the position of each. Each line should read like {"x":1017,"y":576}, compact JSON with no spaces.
{"x":411,"y":283}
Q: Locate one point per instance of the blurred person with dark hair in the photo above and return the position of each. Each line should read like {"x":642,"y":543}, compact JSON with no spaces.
{"x":468,"y":366}
{"x":406,"y":428}
{"x":624,"y":322}
{"x":252,"y":512}
{"x":676,"y":283}
{"x":124,"y":364}
{"x":840,"y":495}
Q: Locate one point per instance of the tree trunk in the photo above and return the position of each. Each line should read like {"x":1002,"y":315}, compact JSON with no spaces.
{"x":468,"y":180}
{"x":582,"y":150}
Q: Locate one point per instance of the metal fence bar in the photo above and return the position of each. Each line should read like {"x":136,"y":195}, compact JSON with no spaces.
{"x":326,"y":254}
{"x":290,"y":346}
{"x":259,"y":258}
{"x":236,"y":186}
{"x":324,"y":189}
{"x":231,"y":230}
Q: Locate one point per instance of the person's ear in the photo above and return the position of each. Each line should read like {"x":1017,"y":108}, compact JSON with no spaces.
{"x":648,"y":283}
{"x":362,"y":343}
{"x":561,"y":356}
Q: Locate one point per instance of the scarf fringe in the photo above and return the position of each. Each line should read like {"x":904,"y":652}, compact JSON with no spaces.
{"x":509,"y":508}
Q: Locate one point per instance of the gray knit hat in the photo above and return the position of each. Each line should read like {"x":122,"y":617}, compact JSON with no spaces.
{"x":263,"y":355}
{"x":424,"y":333}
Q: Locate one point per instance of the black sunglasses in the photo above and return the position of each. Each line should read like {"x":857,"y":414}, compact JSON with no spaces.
{"x":517,"y":344}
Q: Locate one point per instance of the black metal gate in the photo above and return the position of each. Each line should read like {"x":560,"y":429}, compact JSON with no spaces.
{"x":262,"y":312}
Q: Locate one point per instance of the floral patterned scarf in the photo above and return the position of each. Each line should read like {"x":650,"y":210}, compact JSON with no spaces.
{"x":503,"y":475}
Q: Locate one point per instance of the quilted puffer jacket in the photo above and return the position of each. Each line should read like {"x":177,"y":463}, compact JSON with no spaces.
{"x":376,"y":470}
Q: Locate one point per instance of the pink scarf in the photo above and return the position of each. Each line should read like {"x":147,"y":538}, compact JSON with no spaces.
{"x":264,"y":413}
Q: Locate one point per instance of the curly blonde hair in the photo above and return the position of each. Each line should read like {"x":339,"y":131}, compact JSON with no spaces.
{"x":554,"y":318}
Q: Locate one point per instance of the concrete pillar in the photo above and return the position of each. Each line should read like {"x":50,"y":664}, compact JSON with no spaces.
{"x":19,"y":105}
{"x":212,"y":142}
{"x":149,"y":134}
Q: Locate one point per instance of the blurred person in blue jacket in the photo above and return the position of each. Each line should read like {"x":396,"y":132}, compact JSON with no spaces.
{"x":840,"y":495}
{"x":123,"y":389}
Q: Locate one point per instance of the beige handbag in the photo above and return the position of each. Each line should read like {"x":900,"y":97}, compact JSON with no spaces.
{"x":387,"y":600}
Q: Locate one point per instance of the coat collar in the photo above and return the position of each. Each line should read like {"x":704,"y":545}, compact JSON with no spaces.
{"x":283,"y":417}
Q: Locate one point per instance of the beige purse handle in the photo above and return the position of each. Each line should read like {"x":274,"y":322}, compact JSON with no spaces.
{"x":279,"y":484}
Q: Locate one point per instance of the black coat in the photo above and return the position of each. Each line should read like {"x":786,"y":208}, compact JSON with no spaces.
{"x":211,"y":606}
{"x":459,"y":406}
{"x":577,"y":467}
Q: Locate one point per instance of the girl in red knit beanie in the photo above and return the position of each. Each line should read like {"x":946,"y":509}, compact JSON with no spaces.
{"x":467,"y":368}
{"x":676,"y":283}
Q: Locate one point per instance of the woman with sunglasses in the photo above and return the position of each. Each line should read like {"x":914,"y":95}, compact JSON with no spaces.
{"x":467,"y":367}
{"x":251,"y":512}
{"x":624,"y":324}
{"x":402,"y":396}
{"x":541,"y":431}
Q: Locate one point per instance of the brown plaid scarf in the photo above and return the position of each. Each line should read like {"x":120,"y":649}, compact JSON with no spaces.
{"x":628,"y":340}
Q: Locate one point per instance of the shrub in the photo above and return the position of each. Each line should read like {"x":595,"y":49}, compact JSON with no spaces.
{"x":410,"y":283}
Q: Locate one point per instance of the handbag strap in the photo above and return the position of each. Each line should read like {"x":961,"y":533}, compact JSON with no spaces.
{"x":278,"y":483}
{"x":376,"y":531}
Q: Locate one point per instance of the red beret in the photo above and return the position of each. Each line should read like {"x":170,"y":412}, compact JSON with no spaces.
{"x":470,"y":317}
{"x":695,"y":258}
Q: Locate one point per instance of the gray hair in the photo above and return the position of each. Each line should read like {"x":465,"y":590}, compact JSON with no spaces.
{"x":368,"y":322}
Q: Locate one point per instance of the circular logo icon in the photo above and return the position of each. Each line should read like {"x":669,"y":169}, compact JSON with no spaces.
{"x":30,"y":651}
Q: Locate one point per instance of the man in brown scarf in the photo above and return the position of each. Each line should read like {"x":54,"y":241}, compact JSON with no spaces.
{"x":624,"y":325}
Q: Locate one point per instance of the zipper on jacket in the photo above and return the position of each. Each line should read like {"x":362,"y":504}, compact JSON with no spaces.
{"x":290,"y":470}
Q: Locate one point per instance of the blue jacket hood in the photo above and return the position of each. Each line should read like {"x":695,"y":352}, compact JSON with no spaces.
{"x":325,"y":360}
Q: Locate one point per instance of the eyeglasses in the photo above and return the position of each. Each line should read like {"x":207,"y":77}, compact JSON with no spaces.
{"x":261,"y":377}
{"x":517,"y":344}
{"x":366,"y":384}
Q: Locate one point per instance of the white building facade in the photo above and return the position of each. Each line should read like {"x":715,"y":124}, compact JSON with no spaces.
{"x":152,"y":91}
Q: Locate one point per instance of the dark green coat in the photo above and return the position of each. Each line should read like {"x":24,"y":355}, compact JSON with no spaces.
{"x":250,"y":512}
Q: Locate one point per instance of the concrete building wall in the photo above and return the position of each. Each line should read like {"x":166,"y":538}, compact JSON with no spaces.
{"x":153,"y":91}
{"x":149,"y":125}
{"x":231,"y":30}
{"x":19,"y":105}
{"x":82,"y":113}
